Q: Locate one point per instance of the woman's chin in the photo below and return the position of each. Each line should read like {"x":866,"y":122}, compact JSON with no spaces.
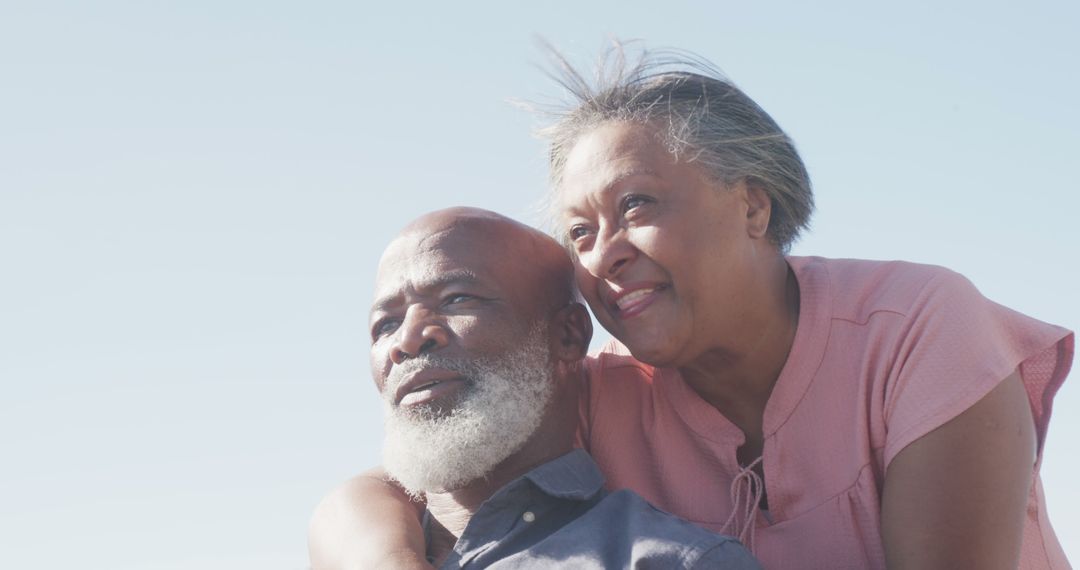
{"x":656,"y":352}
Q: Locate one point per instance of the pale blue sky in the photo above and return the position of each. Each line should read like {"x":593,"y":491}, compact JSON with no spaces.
{"x":193,"y":197}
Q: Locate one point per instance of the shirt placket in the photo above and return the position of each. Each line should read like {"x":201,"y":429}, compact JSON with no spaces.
{"x":501,"y":521}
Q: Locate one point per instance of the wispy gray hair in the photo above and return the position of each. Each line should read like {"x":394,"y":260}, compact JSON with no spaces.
{"x":701,"y":115}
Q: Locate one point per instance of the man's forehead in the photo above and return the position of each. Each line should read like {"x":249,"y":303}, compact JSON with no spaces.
{"x":427,"y":253}
{"x":460,"y":244}
{"x":421,"y":262}
{"x":431,"y":266}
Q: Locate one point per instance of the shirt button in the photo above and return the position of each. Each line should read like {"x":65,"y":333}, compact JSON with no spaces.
{"x":528,"y":516}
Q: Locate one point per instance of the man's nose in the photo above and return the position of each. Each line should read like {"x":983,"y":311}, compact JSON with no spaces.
{"x":421,"y":332}
{"x":611,"y":251}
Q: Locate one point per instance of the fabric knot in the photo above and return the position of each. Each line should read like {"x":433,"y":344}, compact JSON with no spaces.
{"x":746,"y":491}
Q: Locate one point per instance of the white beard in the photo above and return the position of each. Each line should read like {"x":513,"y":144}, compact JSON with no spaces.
{"x":499,"y":408}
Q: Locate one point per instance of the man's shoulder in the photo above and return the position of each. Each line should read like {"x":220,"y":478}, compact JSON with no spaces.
{"x":653,"y":535}
{"x":569,"y":521}
{"x":622,"y":530}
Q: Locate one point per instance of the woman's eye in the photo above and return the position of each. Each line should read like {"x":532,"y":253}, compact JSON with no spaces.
{"x":456,"y":298}
{"x":633,"y":201}
{"x":577,"y":232}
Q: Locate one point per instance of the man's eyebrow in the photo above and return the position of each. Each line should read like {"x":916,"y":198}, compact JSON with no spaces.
{"x":427,"y":283}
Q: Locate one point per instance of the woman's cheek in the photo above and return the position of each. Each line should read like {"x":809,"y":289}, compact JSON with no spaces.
{"x":588,"y":286}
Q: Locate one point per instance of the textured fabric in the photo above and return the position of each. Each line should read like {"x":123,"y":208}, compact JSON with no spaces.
{"x":884,"y":353}
{"x":559,"y":515}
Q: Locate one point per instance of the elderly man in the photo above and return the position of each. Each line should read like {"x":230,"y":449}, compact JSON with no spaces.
{"x":477,"y":346}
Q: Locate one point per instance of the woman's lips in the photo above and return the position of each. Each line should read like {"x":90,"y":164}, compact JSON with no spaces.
{"x":633,"y":300}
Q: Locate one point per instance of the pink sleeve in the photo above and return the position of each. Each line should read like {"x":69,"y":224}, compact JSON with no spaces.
{"x":956,"y":347}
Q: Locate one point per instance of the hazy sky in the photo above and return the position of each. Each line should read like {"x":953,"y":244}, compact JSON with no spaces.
{"x":193,"y":197}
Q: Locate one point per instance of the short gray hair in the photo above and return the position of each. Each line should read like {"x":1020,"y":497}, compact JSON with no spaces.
{"x":700,"y":114}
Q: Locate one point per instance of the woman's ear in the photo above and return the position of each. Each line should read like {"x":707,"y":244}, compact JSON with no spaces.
{"x":572,"y":331}
{"x":759,"y":209}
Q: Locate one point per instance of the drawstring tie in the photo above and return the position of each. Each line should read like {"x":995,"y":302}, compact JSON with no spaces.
{"x":746,"y":491}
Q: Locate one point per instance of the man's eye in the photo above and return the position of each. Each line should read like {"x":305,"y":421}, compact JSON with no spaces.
{"x":384,"y":327}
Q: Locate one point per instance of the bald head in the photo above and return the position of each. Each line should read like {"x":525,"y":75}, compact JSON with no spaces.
{"x":473,"y":239}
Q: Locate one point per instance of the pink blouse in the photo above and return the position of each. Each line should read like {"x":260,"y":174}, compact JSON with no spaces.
{"x":884,"y":353}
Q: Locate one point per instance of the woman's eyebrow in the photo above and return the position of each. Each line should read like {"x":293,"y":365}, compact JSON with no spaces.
{"x":617,"y":180}
{"x":621,"y":177}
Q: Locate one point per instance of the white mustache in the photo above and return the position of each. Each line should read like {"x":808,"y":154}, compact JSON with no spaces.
{"x":401,"y":373}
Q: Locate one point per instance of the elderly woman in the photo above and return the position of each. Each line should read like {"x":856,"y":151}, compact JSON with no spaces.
{"x":830,"y":413}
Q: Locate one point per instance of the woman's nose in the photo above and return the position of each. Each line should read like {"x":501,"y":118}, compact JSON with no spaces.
{"x":610,"y":253}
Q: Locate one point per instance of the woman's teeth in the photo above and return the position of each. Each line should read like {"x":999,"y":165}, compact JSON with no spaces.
{"x":631,"y":298}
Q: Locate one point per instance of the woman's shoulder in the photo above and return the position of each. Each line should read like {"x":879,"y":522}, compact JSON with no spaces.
{"x":870,"y":267}
{"x":614,"y":358}
{"x":860,"y":287}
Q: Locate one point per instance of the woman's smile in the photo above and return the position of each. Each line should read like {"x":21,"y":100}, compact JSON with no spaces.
{"x":634,"y":299}
{"x":646,"y":230}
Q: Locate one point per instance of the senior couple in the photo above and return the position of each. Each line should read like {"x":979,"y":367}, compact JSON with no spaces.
{"x":792,"y":412}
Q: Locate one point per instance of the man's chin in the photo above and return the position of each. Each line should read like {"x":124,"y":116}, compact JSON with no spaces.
{"x":445,"y":490}
{"x":434,"y":479}
{"x":452,"y":441}
{"x":442,"y":457}
{"x":431,"y":411}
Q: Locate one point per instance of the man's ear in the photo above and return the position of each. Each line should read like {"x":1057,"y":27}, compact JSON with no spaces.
{"x":571,"y":333}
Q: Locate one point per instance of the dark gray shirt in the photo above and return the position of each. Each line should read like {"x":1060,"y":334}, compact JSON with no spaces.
{"x":560,"y":515}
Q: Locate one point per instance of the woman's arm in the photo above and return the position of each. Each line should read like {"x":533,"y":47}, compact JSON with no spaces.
{"x":367,"y":522}
{"x":956,"y":497}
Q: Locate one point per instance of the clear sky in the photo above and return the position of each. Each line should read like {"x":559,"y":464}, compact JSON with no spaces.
{"x":194,"y":195}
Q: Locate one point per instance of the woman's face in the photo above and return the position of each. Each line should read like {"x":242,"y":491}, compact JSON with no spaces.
{"x":664,"y":255}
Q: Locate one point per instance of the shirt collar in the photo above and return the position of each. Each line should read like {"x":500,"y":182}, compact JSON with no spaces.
{"x":572,"y":476}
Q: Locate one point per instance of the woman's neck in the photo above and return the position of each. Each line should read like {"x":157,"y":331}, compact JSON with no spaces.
{"x":737,"y":380}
